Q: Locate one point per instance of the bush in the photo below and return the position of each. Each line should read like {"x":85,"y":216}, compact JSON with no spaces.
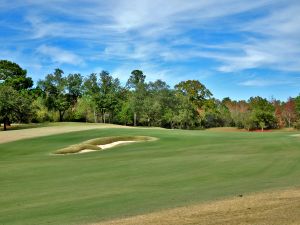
{"x":297,"y":125}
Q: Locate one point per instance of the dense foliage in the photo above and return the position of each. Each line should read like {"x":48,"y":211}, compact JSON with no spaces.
{"x":102,"y":98}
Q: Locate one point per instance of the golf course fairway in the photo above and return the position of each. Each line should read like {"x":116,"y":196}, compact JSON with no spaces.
{"x":179,"y":169}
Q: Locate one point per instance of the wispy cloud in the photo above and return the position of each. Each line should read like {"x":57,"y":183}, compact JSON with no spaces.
{"x":272,"y":81}
{"x":262,"y":83}
{"x":271,"y":39}
{"x":165,"y":38}
{"x":59,"y":56}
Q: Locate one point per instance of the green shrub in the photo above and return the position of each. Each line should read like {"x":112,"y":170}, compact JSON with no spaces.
{"x":297,"y":125}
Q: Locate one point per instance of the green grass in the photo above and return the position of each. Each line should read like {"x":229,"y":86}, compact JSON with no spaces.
{"x":181,"y":168}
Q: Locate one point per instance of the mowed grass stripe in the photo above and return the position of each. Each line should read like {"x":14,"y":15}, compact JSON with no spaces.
{"x":181,"y":168}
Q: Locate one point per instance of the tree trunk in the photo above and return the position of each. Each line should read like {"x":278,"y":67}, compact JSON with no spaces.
{"x":61,"y":116}
{"x":4,"y":124}
{"x":95,"y":118}
{"x":134,"y":119}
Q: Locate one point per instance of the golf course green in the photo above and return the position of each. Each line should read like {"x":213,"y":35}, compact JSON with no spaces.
{"x":180,"y":168}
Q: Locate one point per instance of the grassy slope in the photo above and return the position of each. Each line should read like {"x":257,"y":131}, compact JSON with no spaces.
{"x":183,"y":167}
{"x":280,"y":207}
{"x":24,"y":126}
{"x":50,"y":129}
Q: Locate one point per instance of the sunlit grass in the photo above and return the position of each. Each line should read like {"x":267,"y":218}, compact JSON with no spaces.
{"x":180,"y":168}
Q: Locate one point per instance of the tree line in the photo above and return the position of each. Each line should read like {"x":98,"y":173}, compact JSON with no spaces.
{"x":99,"y":97}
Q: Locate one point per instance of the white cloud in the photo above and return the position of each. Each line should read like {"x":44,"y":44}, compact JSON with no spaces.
{"x":274,"y":81}
{"x":155,"y":31}
{"x":260,"y":83}
{"x":59,"y":56}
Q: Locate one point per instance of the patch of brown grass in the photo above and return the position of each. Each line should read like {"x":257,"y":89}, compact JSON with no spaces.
{"x":268,"y":208}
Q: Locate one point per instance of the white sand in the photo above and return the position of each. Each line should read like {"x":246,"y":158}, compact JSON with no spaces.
{"x":110,"y":145}
{"x":86,"y":151}
{"x":113,"y":144}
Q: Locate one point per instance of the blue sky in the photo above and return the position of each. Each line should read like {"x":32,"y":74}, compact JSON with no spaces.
{"x":236,"y":48}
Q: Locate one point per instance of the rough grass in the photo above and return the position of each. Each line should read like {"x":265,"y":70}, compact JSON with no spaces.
{"x":266,"y":208}
{"x":180,"y":169}
{"x":92,"y":144}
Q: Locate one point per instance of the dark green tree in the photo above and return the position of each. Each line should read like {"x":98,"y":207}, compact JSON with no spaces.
{"x":136,"y":79}
{"x":263,"y":113}
{"x":74,"y":87}
{"x":196,"y":92}
{"x":14,"y":107}
{"x":193,"y":96}
{"x":55,"y":88}
{"x":13,"y":75}
{"x":214,"y":113}
{"x":297,"y":105}
{"x":109,"y":95}
{"x":91,"y":91}
{"x":136,"y":83}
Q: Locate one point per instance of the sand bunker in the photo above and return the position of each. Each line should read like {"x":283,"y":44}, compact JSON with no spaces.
{"x":111,"y":145}
{"x":85,"y":151}
{"x":99,"y":144}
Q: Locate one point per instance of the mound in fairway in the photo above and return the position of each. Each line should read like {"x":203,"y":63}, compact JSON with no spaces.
{"x":181,"y":168}
{"x":98,"y":144}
